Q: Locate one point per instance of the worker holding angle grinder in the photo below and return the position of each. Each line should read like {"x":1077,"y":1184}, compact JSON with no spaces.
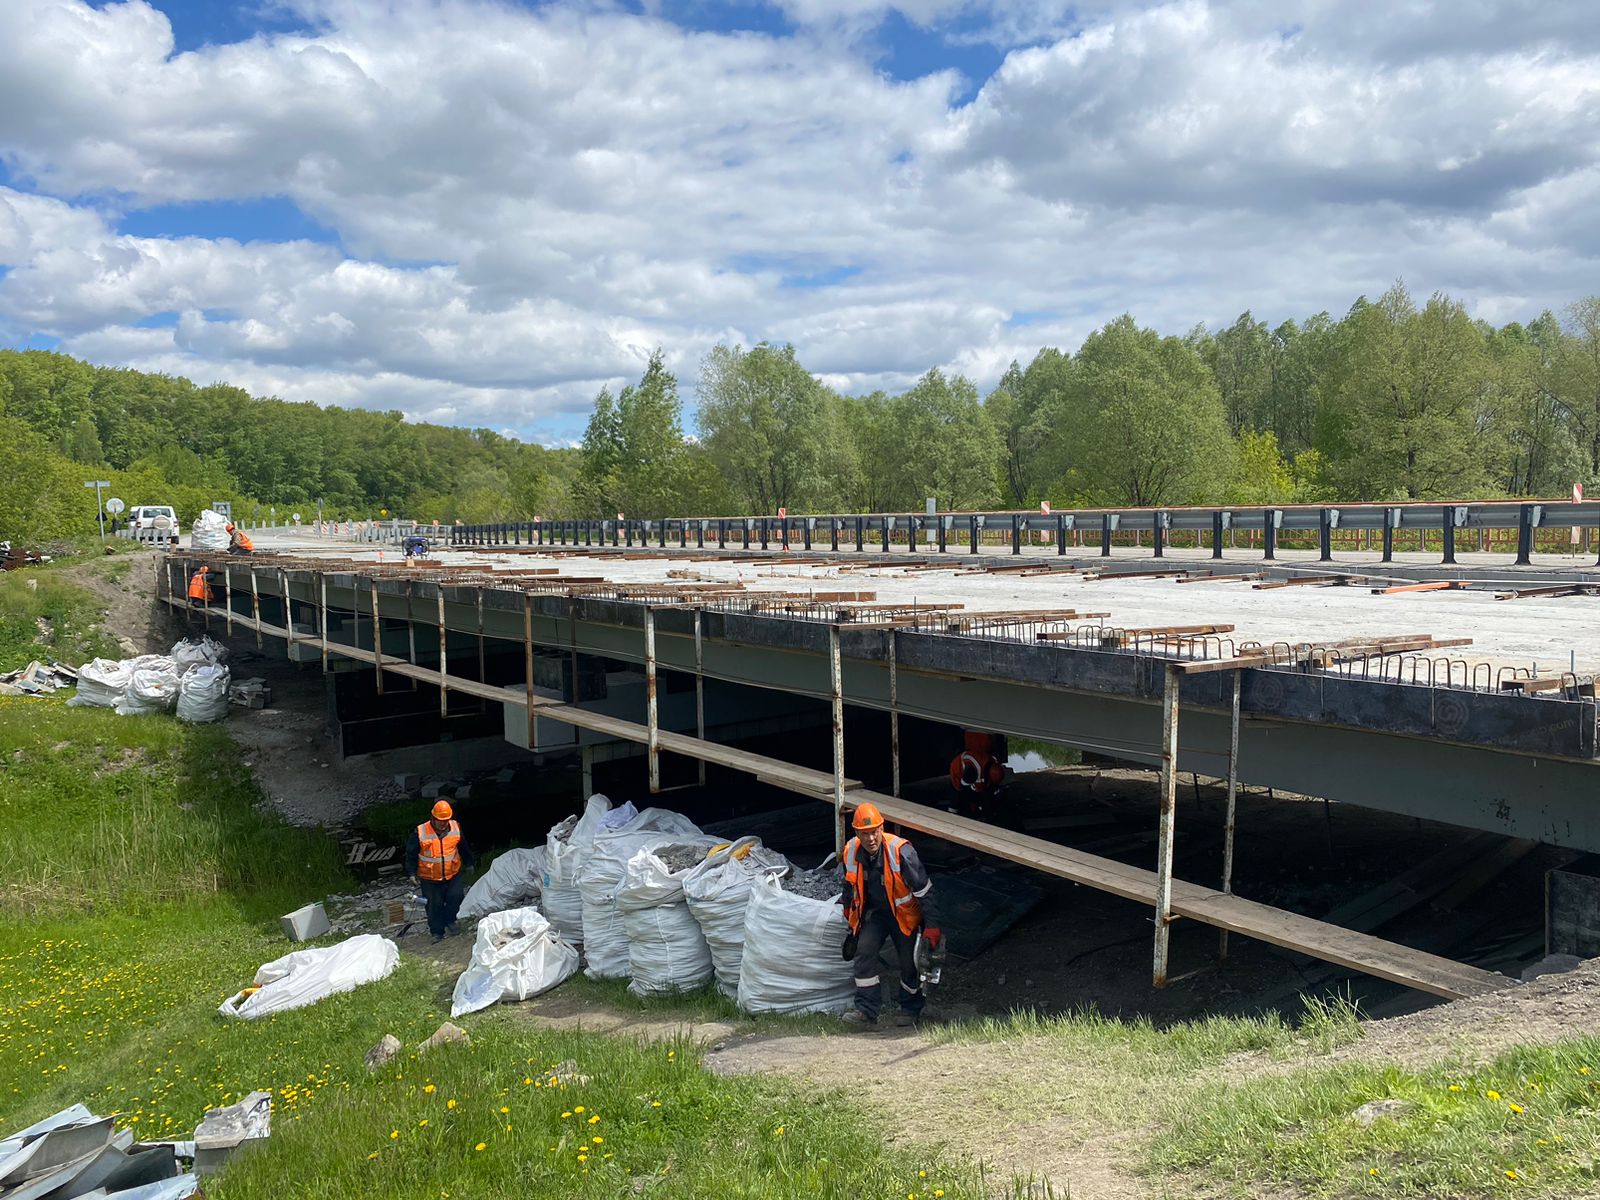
{"x":888,"y":895}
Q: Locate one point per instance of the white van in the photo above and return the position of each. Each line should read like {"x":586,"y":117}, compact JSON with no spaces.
{"x":153,"y":523}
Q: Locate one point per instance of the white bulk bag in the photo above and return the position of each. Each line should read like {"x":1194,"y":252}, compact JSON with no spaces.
{"x":605,"y":941}
{"x":209,"y":532}
{"x":792,"y":961}
{"x":717,"y":892}
{"x":306,"y":976}
{"x":518,"y":954}
{"x":197,"y":652}
{"x":203,"y":694}
{"x":151,"y":689}
{"x":513,"y":880}
{"x":102,"y":683}
{"x":667,"y":952}
{"x":566,"y":846}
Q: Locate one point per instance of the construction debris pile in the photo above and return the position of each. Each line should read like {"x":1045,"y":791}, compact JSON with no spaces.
{"x":38,"y":679}
{"x":13,"y":557}
{"x":77,"y":1154}
{"x":192,"y":681}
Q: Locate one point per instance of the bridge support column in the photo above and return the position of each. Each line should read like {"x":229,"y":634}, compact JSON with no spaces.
{"x":699,"y":692}
{"x":1167,"y":822}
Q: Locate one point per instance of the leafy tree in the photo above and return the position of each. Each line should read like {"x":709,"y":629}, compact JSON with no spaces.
{"x":946,"y":446}
{"x":82,"y":443}
{"x":633,"y":454}
{"x":763,"y":423}
{"x":41,"y":493}
{"x":1149,"y":424}
{"x":1260,"y":475}
{"x":1576,"y":379}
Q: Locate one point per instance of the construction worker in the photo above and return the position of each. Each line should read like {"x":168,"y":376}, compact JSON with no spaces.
{"x":240,"y":542}
{"x":200,"y":588}
{"x":978,"y":771}
{"x":436,"y":857}
{"x":887,"y":895}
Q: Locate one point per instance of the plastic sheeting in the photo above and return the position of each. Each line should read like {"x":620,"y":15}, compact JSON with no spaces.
{"x":566,"y":846}
{"x":517,"y":954}
{"x":605,"y":941}
{"x":306,"y":976}
{"x":203,"y":694}
{"x":718,"y":891}
{"x":791,"y":958}
{"x":667,"y":952}
{"x":515,"y":879}
{"x":102,"y":683}
{"x":209,"y":532}
{"x":152,"y":688}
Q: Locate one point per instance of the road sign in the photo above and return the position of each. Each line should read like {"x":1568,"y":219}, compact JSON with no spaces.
{"x":114,"y":505}
{"x":1577,"y":493}
{"x":1044,"y":508}
{"x":783,"y":512}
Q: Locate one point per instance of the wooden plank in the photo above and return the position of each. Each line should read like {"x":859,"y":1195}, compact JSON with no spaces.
{"x":1126,"y":635}
{"x":1549,"y":684}
{"x":1443,"y":585}
{"x":1302,"y":581}
{"x":1136,"y":575}
{"x":1561,"y":589}
{"x":1242,"y":577}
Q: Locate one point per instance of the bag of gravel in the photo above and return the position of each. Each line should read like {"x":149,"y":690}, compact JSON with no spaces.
{"x":791,"y":958}
{"x":513,"y":880}
{"x":667,"y":952}
{"x":566,"y":846}
{"x":516,"y":956}
{"x":605,"y":941}
{"x":718,"y":891}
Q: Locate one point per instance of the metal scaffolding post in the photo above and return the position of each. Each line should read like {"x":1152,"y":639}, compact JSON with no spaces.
{"x":322,"y":617}
{"x":836,"y":675}
{"x":1167,"y":822}
{"x":444,"y":664}
{"x":1233,"y":805}
{"x":255,"y":605}
{"x":377,"y":639}
{"x":653,"y":744}
{"x":699,"y":691}
{"x":527,"y":655}
{"x":227,"y":591}
{"x":894,"y":712}
{"x":288,"y":613}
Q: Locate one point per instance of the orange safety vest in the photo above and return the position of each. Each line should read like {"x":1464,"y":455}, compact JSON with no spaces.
{"x":907,"y":909}
{"x":199,"y":587}
{"x":437,"y":856}
{"x":242,"y":540}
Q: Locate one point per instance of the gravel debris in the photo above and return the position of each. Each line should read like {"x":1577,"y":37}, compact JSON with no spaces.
{"x":562,"y":832}
{"x":824,"y":883}
{"x":680,"y":858}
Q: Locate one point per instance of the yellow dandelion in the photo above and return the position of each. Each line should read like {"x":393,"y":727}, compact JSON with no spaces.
{"x":504,"y":1109}
{"x":526,"y":1080}
{"x":449,"y":1103}
{"x":430,"y":1089}
{"x":597,"y":1140}
{"x":422,"y":1122}
{"x":578,"y":1108}
{"x":778,"y":1132}
{"x":1372,"y":1170}
{"x":1492,"y":1094}
{"x":655,"y":1104}
{"x":1455,"y":1087}
{"x":565,"y":1115}
{"x":595,"y":1120}
{"x":481,"y":1146}
{"x":1510,"y":1174}
{"x":1517,"y":1108}
{"x":393,"y":1133}
{"x":372,"y":1156}
{"x":583,"y":1158}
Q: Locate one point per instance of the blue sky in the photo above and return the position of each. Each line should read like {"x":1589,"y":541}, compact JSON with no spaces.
{"x":483,"y":211}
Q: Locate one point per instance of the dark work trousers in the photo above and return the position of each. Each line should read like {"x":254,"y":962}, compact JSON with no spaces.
{"x":444,"y":899}
{"x":876,"y":926}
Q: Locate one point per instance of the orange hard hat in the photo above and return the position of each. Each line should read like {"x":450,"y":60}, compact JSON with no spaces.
{"x":867,"y":817}
{"x":229,"y":526}
{"x":442,"y":811}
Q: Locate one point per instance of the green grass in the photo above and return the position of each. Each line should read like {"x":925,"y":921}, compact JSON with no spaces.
{"x":1526,"y":1124}
{"x":70,"y":630}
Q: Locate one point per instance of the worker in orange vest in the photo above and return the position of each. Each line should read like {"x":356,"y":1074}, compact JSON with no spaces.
{"x":887,"y":896}
{"x":437,"y":857}
{"x":200,"y":588}
{"x":240,"y":543}
{"x":978,"y":772}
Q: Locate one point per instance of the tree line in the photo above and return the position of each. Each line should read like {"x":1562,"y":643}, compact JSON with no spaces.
{"x":1392,"y":401}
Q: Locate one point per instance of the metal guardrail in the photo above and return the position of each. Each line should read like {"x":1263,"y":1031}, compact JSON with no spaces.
{"x":1081,"y":529}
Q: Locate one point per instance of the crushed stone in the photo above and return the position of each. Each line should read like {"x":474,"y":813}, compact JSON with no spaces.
{"x":823,"y":883}
{"x":680,"y":858}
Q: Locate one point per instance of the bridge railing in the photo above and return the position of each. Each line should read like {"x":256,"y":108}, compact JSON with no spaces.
{"x":1435,"y":524}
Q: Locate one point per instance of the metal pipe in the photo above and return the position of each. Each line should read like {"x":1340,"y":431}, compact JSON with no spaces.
{"x":227,"y":589}
{"x":1216,"y":534}
{"x":288,"y":613}
{"x":483,"y":670}
{"x":651,"y":732}
{"x":836,"y":675}
{"x":1233,"y":802}
{"x":255,"y":605}
{"x":322,"y":617}
{"x":1167,"y":822}
{"x":699,"y":691}
{"x":527,"y":662}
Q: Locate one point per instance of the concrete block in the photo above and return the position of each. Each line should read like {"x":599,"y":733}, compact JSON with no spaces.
{"x":464,"y":792}
{"x":305,"y":923}
{"x":505,"y":775}
{"x":432,"y":791}
{"x":409,"y":782}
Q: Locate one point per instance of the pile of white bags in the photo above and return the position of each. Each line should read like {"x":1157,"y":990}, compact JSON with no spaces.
{"x":791,"y":958}
{"x":517,"y":955}
{"x":209,"y":532}
{"x":198,"y":652}
{"x":718,"y":891}
{"x":566,"y":846}
{"x":515,"y":879}
{"x":306,"y":976}
{"x":667,"y":951}
{"x":605,"y":941}
{"x":152,"y":688}
{"x":203,"y":693}
{"x":102,"y":683}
